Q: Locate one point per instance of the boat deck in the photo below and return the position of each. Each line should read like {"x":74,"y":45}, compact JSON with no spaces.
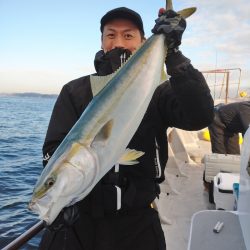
{"x":179,"y":208}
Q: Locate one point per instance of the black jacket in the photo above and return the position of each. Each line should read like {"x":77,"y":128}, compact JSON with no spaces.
{"x":183,"y":102}
{"x":235,"y":116}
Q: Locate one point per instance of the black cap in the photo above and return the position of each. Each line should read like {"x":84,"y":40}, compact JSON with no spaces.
{"x":123,"y":13}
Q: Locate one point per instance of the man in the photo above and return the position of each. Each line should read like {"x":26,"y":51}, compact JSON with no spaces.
{"x":184,"y":102}
{"x":229,"y":121}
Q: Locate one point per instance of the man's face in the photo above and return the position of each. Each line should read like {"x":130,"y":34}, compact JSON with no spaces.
{"x":121,"y":33}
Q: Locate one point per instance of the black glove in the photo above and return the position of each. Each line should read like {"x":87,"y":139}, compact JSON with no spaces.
{"x":172,"y":25}
{"x":66,"y":218}
{"x":107,"y":63}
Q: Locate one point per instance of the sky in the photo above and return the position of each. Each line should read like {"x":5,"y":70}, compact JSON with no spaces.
{"x":44,"y":44}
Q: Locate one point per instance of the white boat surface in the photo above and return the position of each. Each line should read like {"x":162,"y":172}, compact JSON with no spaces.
{"x":177,"y":209}
{"x":183,"y":193}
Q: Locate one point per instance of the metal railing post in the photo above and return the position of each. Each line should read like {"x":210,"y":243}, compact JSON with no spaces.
{"x":25,"y":237}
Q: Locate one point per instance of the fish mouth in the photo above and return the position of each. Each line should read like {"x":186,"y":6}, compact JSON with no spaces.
{"x":41,"y":210}
{"x":41,"y":206}
{"x":31,"y":205}
{"x":46,"y":207}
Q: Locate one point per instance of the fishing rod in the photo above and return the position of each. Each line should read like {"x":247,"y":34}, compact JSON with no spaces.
{"x":25,"y":237}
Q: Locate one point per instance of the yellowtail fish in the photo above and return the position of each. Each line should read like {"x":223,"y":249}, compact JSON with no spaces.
{"x":99,"y":139}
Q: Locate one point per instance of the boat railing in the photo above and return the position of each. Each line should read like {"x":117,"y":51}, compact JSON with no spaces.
{"x":226,"y":82}
{"x":25,"y":237}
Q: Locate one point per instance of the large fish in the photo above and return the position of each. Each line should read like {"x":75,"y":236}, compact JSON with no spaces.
{"x":99,"y":139}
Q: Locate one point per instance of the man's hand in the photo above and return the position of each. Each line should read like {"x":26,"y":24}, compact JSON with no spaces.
{"x":172,"y":25}
{"x":67,"y":217}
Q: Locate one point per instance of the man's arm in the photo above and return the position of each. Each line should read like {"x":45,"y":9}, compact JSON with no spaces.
{"x":71,"y":102}
{"x":63,"y":118}
{"x":186,"y":101}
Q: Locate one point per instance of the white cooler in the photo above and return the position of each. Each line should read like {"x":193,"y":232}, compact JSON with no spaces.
{"x":223,"y":190}
{"x":216,"y":163}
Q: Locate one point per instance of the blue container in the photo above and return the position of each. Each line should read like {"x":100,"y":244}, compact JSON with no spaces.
{"x":236,"y":187}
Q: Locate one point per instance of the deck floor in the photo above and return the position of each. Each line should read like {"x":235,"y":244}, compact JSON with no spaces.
{"x":179,"y":208}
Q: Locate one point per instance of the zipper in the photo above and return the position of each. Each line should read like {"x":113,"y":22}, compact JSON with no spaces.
{"x":123,"y":58}
{"x":157,"y":161}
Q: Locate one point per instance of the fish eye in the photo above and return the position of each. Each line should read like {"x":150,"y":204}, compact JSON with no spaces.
{"x":50,"y":182}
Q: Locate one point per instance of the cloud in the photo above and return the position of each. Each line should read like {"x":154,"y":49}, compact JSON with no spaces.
{"x":218,"y":35}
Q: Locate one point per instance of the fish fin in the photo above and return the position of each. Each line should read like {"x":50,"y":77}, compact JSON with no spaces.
{"x":99,"y":82}
{"x":104,"y":133}
{"x":169,"y":5}
{"x":184,"y":13}
{"x":187,"y":12}
{"x":164,"y":75}
{"x":130,"y":157}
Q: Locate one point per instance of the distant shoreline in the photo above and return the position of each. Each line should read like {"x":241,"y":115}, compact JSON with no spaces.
{"x":30,"y":94}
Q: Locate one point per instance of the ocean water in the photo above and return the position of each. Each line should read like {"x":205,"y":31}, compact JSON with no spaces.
{"x":23,"y":125}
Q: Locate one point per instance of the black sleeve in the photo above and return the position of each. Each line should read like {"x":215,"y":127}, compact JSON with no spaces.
{"x":63,"y":117}
{"x":71,"y":102}
{"x":185,"y":102}
{"x":245,"y":116}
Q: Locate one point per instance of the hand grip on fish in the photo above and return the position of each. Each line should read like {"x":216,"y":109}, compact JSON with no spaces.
{"x":172,"y":24}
